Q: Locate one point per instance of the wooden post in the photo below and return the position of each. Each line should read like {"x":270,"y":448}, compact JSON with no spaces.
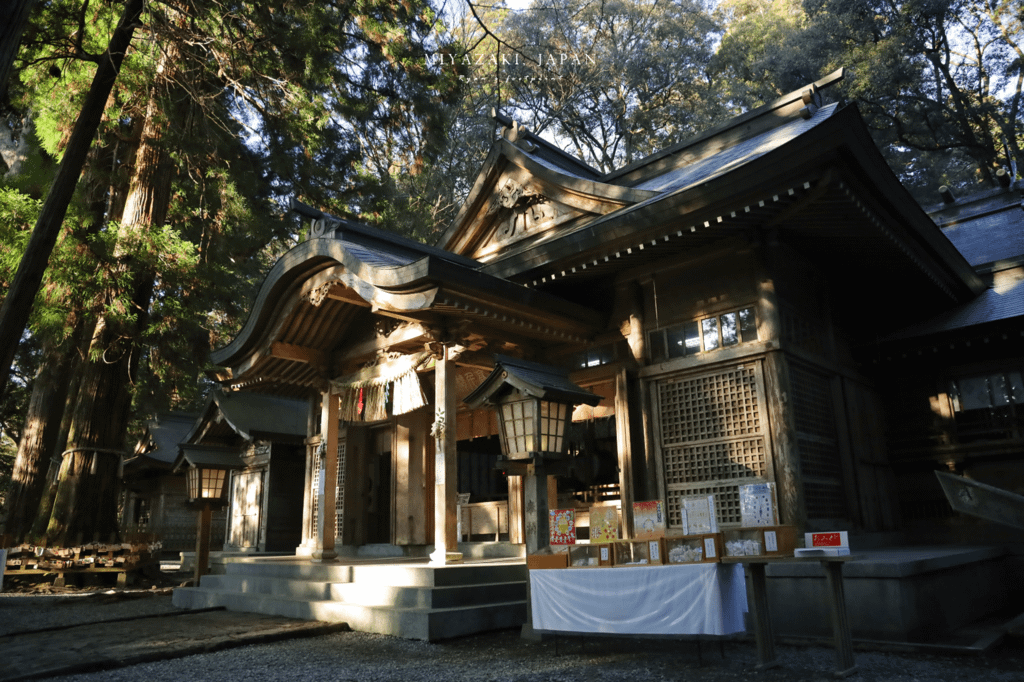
{"x":536,"y":506}
{"x":624,"y":445}
{"x":845,"y":664}
{"x":762,"y":618}
{"x":203,"y":542}
{"x":445,"y":465}
{"x":786,"y":456}
{"x":327,"y":495}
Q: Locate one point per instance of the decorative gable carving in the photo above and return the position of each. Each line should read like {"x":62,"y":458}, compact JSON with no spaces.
{"x":519,"y":195}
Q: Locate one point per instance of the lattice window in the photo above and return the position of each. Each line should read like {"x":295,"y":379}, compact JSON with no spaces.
{"x":712,"y":461}
{"x":710,"y":406}
{"x":727,"y":503}
{"x":711,"y":437}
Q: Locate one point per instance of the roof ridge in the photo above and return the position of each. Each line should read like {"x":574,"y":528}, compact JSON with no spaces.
{"x":806,"y":95}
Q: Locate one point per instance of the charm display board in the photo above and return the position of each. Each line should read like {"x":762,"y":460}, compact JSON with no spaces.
{"x":562,"y":523}
{"x":648,"y":520}
{"x":757,"y":505}
{"x":604,"y":524}
{"x":698,"y":513}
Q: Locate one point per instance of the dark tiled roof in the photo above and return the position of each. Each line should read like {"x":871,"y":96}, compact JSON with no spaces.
{"x":250,"y":413}
{"x":163,"y":434}
{"x":734,"y":156}
{"x":539,"y":381}
{"x":985,"y":228}
{"x":1002,"y":301}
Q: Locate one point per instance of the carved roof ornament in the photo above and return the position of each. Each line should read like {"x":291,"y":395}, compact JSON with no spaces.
{"x":517,"y":135}
{"x":319,"y":294}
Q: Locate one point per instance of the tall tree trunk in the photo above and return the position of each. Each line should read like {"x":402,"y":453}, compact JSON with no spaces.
{"x":39,"y":439}
{"x":85,"y":505}
{"x":13,"y":26}
{"x":17,"y":304}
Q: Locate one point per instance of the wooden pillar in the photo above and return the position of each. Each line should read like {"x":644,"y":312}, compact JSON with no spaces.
{"x":327,"y":494}
{"x":308,"y":500}
{"x":410,"y":520}
{"x":624,"y":446}
{"x":786,"y":455}
{"x":446,"y":480}
{"x":203,"y":542}
{"x":536,"y":506}
{"x":307,"y":495}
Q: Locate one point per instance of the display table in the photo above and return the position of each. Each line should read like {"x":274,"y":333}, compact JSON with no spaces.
{"x":685,"y":599}
{"x":833,"y":566}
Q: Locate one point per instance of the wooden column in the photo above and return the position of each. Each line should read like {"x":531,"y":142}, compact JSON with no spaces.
{"x":785,"y":452}
{"x":446,"y":542}
{"x":624,"y":446}
{"x":327,"y":493}
{"x":409,"y":494}
{"x":535,"y":484}
{"x":311,"y":441}
{"x":307,"y":496}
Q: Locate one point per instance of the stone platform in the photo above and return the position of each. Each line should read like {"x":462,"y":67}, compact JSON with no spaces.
{"x":910,"y":594}
{"x":405,"y":597}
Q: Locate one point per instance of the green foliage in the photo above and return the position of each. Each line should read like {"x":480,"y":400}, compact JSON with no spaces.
{"x":938,"y":81}
{"x":616,"y":80}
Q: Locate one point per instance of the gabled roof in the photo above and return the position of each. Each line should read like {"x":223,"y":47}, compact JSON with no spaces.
{"x":158,"y":445}
{"x":233,"y":416}
{"x":340,"y":283}
{"x":521,"y":195}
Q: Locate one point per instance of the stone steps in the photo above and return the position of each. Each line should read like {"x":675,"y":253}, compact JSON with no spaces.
{"x":401,"y":598}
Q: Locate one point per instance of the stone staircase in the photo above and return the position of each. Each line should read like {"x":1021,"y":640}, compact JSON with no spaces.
{"x":402,"y":597}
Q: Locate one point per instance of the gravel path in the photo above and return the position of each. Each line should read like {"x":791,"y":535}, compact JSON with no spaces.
{"x":493,"y":657}
{"x":503,"y":657}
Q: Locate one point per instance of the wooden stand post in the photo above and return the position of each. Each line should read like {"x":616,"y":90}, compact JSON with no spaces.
{"x":845,"y":665}
{"x":535,"y":485}
{"x":203,"y":542}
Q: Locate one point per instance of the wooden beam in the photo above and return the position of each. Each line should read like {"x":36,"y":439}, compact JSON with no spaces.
{"x":288,"y":351}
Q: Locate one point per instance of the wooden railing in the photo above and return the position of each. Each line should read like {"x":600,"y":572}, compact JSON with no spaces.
{"x":484,"y":518}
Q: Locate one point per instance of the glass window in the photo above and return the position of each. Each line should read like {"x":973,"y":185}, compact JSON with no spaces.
{"x":709,"y":327}
{"x":748,"y":325}
{"x":730,"y":332}
{"x":657,"y":341}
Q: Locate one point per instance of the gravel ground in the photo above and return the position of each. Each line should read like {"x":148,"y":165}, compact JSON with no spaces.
{"x":493,"y":657}
{"x":503,"y":657}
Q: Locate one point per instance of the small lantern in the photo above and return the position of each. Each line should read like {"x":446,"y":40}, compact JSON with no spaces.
{"x":206,"y":482}
{"x":534,"y":404}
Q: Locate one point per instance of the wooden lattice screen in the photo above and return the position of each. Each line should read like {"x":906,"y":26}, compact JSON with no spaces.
{"x":820,"y":465}
{"x":712,"y":437}
{"x":314,"y":512}
{"x":339,"y":500}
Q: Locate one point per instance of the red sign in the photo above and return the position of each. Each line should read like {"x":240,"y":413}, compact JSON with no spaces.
{"x":826,"y":539}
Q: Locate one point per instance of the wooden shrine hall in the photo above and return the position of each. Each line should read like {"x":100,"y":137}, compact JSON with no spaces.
{"x":725,"y":298}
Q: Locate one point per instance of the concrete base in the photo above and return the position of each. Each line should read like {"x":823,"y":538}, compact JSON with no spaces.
{"x":404,"y":597}
{"x":913,"y":594}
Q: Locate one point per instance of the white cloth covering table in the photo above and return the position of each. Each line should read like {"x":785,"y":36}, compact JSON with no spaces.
{"x":683,"y":599}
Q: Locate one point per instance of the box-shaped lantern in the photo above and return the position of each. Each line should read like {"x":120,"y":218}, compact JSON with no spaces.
{"x":534,"y":404}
